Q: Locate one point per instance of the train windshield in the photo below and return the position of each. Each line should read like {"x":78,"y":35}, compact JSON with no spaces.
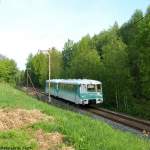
{"x":94,"y":88}
{"x":91,"y":88}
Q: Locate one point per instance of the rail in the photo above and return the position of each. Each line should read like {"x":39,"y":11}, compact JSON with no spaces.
{"x":139,"y":124}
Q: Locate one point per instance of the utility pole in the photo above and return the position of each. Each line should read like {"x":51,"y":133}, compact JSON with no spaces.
{"x":49,"y":72}
{"x":27,"y":78}
{"x":49,"y":76}
{"x":27,"y":72}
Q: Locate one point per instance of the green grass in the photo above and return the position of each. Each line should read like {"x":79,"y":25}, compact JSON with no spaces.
{"x":80,"y":131}
{"x":16,"y":138}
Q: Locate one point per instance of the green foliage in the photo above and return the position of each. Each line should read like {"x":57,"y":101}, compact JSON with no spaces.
{"x":38,"y":66}
{"x":144,"y":55}
{"x":114,"y":71}
{"x":67,"y":54}
{"x":56,"y":63}
{"x":85,"y":62}
{"x":80,"y":131}
{"x":85,"y":65}
{"x":130,"y":33}
{"x":138,"y":52}
{"x":8,"y":70}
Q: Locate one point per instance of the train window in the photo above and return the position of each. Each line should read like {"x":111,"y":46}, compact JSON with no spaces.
{"x":67,"y":87}
{"x":99,"y":88}
{"x":70,"y":87}
{"x":91,"y":88}
{"x":61,"y":86}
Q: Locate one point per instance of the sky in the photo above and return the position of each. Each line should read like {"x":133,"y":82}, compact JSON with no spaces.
{"x":29,"y":25}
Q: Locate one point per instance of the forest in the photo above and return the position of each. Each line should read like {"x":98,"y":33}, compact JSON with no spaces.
{"x":118,"y":56}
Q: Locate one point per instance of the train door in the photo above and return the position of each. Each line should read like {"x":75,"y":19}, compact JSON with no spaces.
{"x":76,"y":91}
{"x":57,"y":89}
{"x":83,"y":88}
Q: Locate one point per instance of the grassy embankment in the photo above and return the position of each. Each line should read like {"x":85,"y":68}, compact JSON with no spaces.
{"x":80,"y":131}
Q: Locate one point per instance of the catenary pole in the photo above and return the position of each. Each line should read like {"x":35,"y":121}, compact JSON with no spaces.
{"x":49,"y":71}
{"x":49,"y":77}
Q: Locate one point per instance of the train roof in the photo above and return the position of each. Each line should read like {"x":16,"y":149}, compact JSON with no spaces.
{"x":74,"y":81}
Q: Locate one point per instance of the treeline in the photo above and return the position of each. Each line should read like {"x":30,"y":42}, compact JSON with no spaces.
{"x":8,"y":71}
{"x":119,"y":57}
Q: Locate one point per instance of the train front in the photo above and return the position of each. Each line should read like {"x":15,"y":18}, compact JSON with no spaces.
{"x":91,"y":93}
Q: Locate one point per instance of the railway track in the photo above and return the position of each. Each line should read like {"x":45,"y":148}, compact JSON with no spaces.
{"x":136,"y":123}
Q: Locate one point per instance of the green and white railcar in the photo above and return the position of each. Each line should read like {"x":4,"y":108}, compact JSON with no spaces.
{"x":78,"y":91}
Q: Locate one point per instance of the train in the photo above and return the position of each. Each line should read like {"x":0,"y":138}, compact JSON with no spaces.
{"x":78,"y":91}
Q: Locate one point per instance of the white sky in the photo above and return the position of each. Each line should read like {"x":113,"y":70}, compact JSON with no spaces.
{"x":29,"y":25}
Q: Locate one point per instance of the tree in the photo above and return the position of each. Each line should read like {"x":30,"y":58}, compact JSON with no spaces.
{"x":38,"y":66}
{"x":130,"y":33}
{"x":8,"y":70}
{"x":85,"y":64}
{"x":144,"y":55}
{"x":56,"y":63}
{"x":102,"y":39}
{"x":114,"y":68}
{"x":67,"y":54}
{"x":84,"y":60}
